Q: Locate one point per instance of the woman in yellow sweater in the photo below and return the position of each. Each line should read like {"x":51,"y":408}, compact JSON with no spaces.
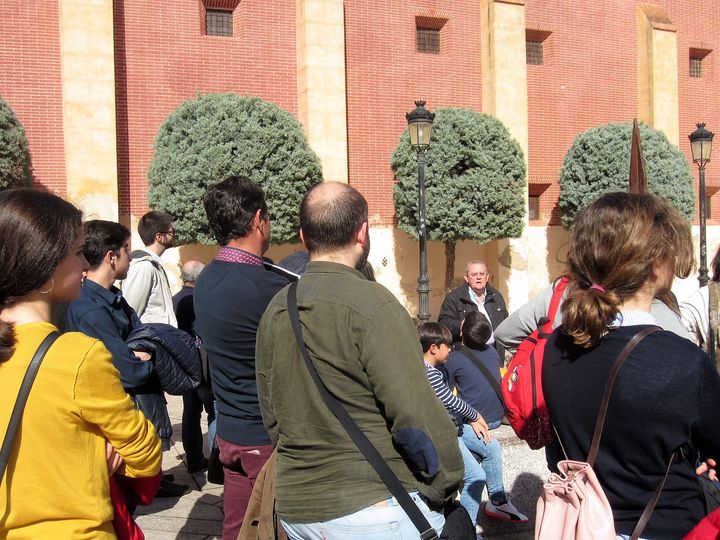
{"x":56,"y":482}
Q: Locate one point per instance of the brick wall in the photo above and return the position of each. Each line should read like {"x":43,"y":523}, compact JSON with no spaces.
{"x":163,"y":58}
{"x":589,"y":78}
{"x":699,"y":28}
{"x":385,"y":75}
{"x":30,"y":82}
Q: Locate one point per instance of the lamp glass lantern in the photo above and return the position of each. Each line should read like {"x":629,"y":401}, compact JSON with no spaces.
{"x":420,"y":123}
{"x":701,"y":144}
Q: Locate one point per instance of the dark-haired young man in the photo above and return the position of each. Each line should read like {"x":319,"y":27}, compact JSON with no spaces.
{"x":103,"y":313}
{"x":146,"y":286}
{"x":230,"y":296}
{"x":365,"y":348}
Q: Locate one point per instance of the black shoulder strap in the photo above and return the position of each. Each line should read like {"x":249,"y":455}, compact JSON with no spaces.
{"x":366,"y":447}
{"x":23,"y":394}
{"x":485,"y":371}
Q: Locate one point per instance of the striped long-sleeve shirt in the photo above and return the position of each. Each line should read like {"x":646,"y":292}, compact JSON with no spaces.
{"x":443,"y":392}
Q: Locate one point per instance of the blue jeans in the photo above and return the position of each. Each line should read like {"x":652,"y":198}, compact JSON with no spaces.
{"x":212,"y":427}
{"x":385,"y":520}
{"x":491,"y":458}
{"x":473,"y":482}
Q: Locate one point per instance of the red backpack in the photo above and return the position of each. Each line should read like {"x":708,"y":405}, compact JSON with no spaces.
{"x":522,"y":393}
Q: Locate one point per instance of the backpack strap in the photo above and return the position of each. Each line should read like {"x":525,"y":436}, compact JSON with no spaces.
{"x":546,"y":327}
{"x":485,"y":371}
{"x":25,"y":387}
{"x":645,"y":516}
{"x":604,"y":402}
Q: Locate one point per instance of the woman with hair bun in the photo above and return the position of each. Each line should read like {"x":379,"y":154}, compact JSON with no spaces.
{"x":78,"y":425}
{"x":625,"y":250}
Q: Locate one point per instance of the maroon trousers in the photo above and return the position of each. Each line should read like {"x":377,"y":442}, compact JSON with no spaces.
{"x":242,"y":465}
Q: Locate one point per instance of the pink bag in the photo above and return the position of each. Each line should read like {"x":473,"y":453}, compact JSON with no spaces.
{"x":573,"y":506}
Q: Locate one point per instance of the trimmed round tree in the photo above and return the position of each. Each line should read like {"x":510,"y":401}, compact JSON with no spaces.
{"x":207,"y":139}
{"x":15,"y":170}
{"x":474,"y":182}
{"x":599,"y":162}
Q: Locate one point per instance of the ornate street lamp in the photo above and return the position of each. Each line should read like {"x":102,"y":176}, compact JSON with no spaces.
{"x":701,"y":146}
{"x":419,"y":127}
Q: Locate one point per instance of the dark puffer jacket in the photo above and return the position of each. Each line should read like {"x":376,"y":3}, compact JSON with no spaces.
{"x":175,"y":355}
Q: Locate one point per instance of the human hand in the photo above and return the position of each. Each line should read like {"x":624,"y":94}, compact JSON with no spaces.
{"x":708,"y":466}
{"x":114,"y":461}
{"x":142,"y":355}
{"x":481,"y":429}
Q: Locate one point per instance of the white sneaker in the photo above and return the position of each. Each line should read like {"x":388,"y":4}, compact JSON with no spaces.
{"x":505,"y":511}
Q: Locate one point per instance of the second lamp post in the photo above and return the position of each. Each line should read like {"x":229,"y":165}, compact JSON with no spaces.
{"x":419,"y":127}
{"x":701,"y":146}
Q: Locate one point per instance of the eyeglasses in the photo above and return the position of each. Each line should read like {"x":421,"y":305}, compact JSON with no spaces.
{"x":170,"y":232}
{"x":477,"y":274}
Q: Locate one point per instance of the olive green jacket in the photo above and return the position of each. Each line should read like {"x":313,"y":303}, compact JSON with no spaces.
{"x":366,"y":350}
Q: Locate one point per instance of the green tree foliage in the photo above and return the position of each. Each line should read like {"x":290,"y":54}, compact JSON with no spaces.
{"x":15,"y":170}
{"x":207,"y":139}
{"x":599,"y":161}
{"x":475,"y":182}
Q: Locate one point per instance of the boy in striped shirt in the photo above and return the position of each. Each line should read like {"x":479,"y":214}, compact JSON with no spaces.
{"x":436,"y":341}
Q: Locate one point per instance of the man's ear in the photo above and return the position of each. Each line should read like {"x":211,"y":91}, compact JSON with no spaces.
{"x":109,"y":258}
{"x":361,"y":237}
{"x":302,"y":238}
{"x":257,"y":218}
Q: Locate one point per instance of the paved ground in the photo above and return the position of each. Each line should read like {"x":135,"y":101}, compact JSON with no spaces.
{"x":198,"y":514}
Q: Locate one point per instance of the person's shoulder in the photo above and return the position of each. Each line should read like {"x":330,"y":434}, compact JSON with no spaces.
{"x":372,"y":296}
{"x":494,"y":291}
{"x":457,"y":291}
{"x":87,"y":307}
{"x":455,"y":361}
{"x":80,"y":344}
{"x":670,"y":341}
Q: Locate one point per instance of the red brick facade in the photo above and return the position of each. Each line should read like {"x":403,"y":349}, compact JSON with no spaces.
{"x":30,"y":82}
{"x":162,"y":58}
{"x":589,"y":76}
{"x":385,"y":75}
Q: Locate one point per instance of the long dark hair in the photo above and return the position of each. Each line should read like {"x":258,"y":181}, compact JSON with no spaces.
{"x":37,"y":230}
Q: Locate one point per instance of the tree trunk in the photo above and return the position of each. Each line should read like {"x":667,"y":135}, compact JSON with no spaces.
{"x":449,"y":265}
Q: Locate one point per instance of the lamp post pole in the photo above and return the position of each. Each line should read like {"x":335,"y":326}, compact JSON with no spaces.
{"x":419,"y":128}
{"x":423,"y":281}
{"x":701,"y":148}
{"x":703,"y":277}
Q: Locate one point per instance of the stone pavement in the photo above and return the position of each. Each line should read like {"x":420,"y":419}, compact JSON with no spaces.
{"x":198,"y":514}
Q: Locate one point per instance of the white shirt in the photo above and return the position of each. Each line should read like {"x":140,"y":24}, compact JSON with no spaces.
{"x":695,"y":315}
{"x":480,"y":303}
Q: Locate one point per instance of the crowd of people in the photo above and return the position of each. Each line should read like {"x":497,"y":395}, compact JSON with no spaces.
{"x":426,"y":396}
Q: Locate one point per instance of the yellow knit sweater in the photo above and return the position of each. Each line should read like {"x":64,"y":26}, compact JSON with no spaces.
{"x":56,"y":482}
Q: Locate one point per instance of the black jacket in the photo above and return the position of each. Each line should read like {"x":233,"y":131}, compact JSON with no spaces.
{"x":457,"y":304}
{"x":175,"y":355}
